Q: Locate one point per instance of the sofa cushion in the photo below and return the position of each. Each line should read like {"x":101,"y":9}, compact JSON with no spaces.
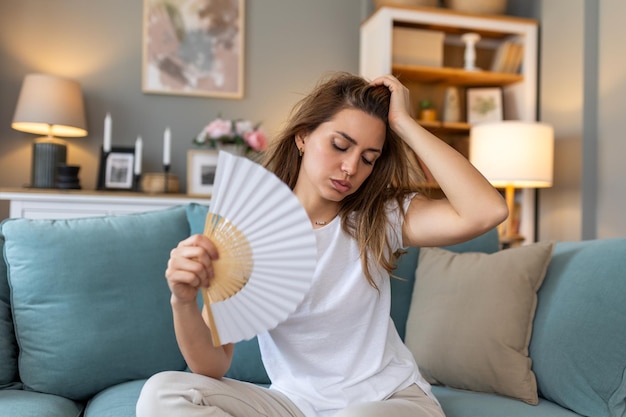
{"x":116,"y":401}
{"x":402,"y":284}
{"x":17,"y":403}
{"x":8,"y":344}
{"x":579,"y":344}
{"x":470,"y":320}
{"x":458,"y":403}
{"x":91,"y":305}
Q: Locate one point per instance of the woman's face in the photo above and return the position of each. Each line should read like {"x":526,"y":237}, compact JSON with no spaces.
{"x":339,"y":155}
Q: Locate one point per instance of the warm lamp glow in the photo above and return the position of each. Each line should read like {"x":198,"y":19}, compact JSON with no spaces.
{"x":513,"y":154}
{"x":50,"y":105}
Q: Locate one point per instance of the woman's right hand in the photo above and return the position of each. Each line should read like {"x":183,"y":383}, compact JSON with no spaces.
{"x":190,"y":268}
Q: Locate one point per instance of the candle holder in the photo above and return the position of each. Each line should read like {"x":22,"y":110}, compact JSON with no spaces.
{"x":470,"y":40}
{"x":137,"y":182}
{"x":102,"y":169}
{"x":166,"y":174}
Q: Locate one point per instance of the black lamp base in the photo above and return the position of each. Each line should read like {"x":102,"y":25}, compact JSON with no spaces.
{"x":48,"y":153}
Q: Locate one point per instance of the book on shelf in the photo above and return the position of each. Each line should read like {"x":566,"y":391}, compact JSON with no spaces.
{"x":508,"y":57}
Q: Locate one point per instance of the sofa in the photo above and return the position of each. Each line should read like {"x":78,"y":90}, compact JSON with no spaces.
{"x":532,"y":331}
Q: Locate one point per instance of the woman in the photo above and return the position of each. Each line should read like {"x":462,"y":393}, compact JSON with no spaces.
{"x":344,"y":155}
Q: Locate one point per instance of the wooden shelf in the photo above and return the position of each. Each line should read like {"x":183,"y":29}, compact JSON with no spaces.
{"x":446,"y":127}
{"x":454,"y":76}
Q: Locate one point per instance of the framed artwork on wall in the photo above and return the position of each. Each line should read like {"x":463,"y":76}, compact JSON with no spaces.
{"x":193,"y":47}
{"x":484,"y":105}
{"x":201,"y":168}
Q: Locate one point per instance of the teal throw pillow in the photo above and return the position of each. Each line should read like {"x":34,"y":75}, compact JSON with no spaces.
{"x":578,"y":345}
{"x":91,"y":304}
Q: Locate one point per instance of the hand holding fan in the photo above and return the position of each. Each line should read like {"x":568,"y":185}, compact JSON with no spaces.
{"x":266,"y":246}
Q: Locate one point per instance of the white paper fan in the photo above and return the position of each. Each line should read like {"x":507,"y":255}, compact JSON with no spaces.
{"x":267,"y":251}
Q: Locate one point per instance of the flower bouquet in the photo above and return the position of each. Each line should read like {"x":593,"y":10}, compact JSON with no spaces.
{"x":236,"y":136}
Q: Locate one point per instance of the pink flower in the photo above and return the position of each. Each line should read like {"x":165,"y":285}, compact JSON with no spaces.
{"x":236,"y":131}
{"x":243,"y":126}
{"x":218,"y":128}
{"x":256,"y":139}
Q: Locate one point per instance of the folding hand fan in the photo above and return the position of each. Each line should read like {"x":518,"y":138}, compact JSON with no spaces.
{"x":267,"y":251}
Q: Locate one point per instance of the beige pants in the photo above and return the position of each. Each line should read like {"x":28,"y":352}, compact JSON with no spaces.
{"x":173,"y":394}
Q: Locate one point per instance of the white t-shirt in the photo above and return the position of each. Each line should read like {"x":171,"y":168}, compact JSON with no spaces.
{"x":340,"y":347}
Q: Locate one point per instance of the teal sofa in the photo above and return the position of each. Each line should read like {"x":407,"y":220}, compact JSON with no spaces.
{"x":85,"y":319}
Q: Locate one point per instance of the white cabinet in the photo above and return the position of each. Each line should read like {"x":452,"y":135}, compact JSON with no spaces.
{"x":62,"y":204}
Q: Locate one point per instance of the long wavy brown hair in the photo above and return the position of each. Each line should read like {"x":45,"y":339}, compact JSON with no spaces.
{"x":394,"y":176}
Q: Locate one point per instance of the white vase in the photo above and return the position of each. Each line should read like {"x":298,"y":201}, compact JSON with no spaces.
{"x":233,"y":148}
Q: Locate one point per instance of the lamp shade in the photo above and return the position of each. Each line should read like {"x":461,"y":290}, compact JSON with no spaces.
{"x":50,"y":105}
{"x":513,"y":153}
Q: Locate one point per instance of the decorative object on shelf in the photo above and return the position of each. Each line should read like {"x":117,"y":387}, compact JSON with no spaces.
{"x":513,"y":154}
{"x":201,"y":169}
{"x":254,"y":289}
{"x":108,"y":128}
{"x":137,"y":164}
{"x":52,"y":106}
{"x":167,"y":151}
{"x":190,"y":48}
{"x":155,"y":183}
{"x":67,"y":177}
{"x":236,"y":136}
{"x":118,"y":169}
{"x":428,"y":113}
{"x":477,"y":6}
{"x":484,"y":105}
{"x":406,"y":3}
{"x":452,"y":105}
{"x":470,"y":39}
{"x":412,"y":46}
{"x":508,"y":57}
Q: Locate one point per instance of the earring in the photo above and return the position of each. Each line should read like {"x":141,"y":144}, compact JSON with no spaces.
{"x":300,"y":152}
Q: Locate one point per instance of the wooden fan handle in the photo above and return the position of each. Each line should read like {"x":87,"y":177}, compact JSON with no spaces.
{"x":207,"y":306}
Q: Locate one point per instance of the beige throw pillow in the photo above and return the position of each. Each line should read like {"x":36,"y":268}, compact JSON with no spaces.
{"x":471,"y":315}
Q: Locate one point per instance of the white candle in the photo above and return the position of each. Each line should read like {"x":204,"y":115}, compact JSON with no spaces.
{"x":167,"y":139}
{"x":138,"y":151}
{"x":106,"y":146}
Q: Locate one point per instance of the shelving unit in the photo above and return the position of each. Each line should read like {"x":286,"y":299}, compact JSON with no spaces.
{"x":519,"y":89}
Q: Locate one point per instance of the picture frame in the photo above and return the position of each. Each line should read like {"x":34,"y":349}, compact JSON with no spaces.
{"x":118,"y":168}
{"x":484,"y":104}
{"x":201,"y":168}
{"x":194,"y":47}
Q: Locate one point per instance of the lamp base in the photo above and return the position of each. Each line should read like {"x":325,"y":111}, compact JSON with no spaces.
{"x":48,"y":153}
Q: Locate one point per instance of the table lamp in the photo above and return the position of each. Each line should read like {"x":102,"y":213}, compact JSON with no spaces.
{"x":513,"y":154}
{"x":51,"y":106}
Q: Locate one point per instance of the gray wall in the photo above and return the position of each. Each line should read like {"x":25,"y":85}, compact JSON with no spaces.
{"x":583,"y":86}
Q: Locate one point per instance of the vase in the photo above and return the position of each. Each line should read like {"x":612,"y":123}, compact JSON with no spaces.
{"x":232,"y":148}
